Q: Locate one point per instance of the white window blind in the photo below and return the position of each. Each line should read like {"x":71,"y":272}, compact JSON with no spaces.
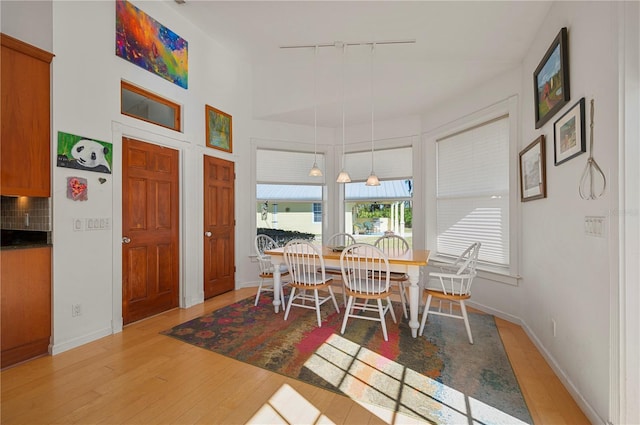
{"x":275,"y":166}
{"x":388,"y":164}
{"x":473,"y":191}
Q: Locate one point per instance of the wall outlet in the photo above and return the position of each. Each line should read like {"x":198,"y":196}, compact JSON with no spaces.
{"x":553,"y":327}
{"x":76,"y":310}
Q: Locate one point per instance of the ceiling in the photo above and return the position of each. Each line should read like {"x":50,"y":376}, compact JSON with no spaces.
{"x":458,"y":45}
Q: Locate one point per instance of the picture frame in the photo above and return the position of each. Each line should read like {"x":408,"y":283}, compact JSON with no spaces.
{"x":219,"y":127}
{"x":83,"y":153}
{"x":533,"y":171}
{"x":569,"y":137}
{"x":147,"y":43}
{"x":551,"y":80}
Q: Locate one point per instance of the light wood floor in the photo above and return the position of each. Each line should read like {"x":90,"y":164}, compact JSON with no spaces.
{"x":141,"y":377}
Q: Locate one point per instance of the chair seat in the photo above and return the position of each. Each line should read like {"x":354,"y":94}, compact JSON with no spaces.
{"x":441,"y":295}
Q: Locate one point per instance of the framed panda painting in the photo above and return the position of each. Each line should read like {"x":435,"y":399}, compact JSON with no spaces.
{"x":82,"y":153}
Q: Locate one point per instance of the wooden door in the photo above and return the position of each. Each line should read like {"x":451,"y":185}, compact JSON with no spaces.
{"x":219,"y":226}
{"x":150,"y":222}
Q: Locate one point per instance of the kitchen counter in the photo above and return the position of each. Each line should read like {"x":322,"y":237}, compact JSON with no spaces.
{"x":23,"y":239}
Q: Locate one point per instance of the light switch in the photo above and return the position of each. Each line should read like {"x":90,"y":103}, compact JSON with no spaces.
{"x":78,"y":225}
{"x":594,"y":226}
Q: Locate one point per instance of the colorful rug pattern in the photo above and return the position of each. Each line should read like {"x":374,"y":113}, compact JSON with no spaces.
{"x":439,"y":377}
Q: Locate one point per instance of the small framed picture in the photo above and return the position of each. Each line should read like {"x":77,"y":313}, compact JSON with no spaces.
{"x":551,"y":80}
{"x":569,"y":137}
{"x":219,"y":129}
{"x":533,"y":170}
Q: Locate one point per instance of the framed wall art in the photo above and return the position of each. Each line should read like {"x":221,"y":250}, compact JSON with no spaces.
{"x":569,"y":138}
{"x":533,"y":170}
{"x":83,"y":153}
{"x":145,"y":42}
{"x":219,"y":129}
{"x":551,"y":80}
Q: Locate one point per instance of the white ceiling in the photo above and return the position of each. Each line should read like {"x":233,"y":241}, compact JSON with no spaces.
{"x":458,"y":45}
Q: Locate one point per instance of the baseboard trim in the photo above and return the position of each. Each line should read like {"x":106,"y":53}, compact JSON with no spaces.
{"x":594,"y":418}
{"x":61,"y":347}
{"x":568,"y":384}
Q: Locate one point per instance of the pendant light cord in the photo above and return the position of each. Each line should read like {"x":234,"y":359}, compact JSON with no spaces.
{"x":373,"y":47}
{"x":315,"y":106}
{"x":344,"y":53}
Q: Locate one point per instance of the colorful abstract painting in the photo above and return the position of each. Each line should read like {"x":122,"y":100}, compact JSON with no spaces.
{"x":142,"y":40}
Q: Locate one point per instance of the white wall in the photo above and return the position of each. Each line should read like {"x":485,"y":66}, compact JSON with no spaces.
{"x":566,"y":275}
{"x":29,"y":21}
{"x":86,"y":102}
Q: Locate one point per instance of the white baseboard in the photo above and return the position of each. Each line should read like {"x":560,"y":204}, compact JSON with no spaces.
{"x":579,"y":399}
{"x":61,"y":347}
{"x":251,"y":284}
{"x":497,"y":313}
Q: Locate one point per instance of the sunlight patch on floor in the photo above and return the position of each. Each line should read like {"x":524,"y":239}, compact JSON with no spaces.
{"x":287,"y":406}
{"x":397,"y":394}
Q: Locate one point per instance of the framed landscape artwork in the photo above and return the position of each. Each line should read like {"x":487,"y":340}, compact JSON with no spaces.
{"x":219,"y":127}
{"x":569,"y":136}
{"x":551,"y":80}
{"x":533,"y":180}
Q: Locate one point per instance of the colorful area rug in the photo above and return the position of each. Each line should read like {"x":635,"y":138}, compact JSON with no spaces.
{"x":438,"y":378}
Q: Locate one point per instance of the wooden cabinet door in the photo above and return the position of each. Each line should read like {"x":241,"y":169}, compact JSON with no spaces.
{"x":150,"y":200}
{"x":219,"y":226}
{"x":25,"y":106}
{"x":25,"y":279}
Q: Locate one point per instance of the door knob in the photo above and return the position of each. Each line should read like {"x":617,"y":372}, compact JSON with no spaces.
{"x":126,"y":240}
{"x":207,"y":234}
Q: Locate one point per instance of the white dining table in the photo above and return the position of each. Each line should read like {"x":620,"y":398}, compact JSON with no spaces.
{"x":409,"y":263}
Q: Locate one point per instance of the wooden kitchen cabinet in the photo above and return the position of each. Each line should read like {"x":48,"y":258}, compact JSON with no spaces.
{"x":25,"y":149}
{"x":25,"y":285}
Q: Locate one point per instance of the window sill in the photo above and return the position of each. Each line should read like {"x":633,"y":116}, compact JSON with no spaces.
{"x":494,"y":274}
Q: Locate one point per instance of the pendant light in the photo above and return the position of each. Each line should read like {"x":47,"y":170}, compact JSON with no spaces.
{"x":373,"y":179}
{"x":343,"y":177}
{"x":315,"y":170}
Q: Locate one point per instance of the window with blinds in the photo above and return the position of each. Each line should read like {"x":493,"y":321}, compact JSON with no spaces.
{"x":370,"y":211}
{"x":278,"y":166}
{"x":394,"y":163}
{"x":472,"y":194}
{"x":287,"y":198}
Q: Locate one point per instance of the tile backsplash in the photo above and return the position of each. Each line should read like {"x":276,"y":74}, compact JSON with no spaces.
{"x":25,"y":213}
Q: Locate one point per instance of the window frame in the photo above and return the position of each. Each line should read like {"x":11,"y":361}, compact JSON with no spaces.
{"x":288,"y":146}
{"x":511,"y":274}
{"x":177,"y":109}
{"x":316,"y":213}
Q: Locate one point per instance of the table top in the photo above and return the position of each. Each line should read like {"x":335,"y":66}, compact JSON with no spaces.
{"x":417,"y":257}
